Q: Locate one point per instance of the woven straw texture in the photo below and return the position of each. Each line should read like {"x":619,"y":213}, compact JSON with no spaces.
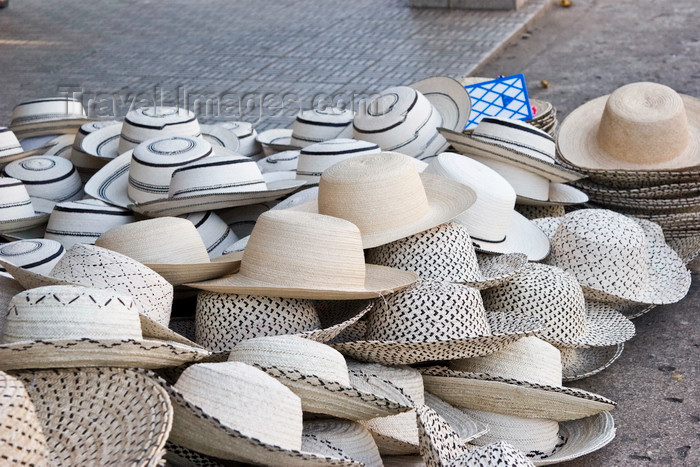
{"x":335,"y":438}
{"x":578,"y":363}
{"x":183,"y":457}
{"x":493,"y":455}
{"x":535,"y":212}
{"x":466,"y":428}
{"x":439,"y":443}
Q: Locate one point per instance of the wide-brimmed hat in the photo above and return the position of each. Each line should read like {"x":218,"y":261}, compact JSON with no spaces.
{"x":150,"y":122}
{"x":280,"y":162}
{"x":70,"y":326}
{"x":434,"y":321}
{"x":304,"y":255}
{"x":19,"y":211}
{"x":333,"y":436}
{"x":445,"y":253}
{"x":523,"y":379}
{"x":319,"y":375}
{"x":48,"y":116}
{"x":11,"y":149}
{"x":578,"y":363}
{"x":317,"y":157}
{"x":310,"y":127}
{"x":69,"y":402}
{"x":82,"y":159}
{"x":247,"y":138}
{"x":493,"y":225}
{"x":37,"y":254}
{"x":640,"y":126}
{"x":233,"y":411}
{"x":49,"y":177}
{"x":215,"y":233}
{"x":450,"y":99}
{"x":616,"y":258}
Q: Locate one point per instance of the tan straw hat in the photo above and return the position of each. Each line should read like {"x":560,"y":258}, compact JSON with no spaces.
{"x":101,"y":416}
{"x":385,"y":196}
{"x":303,"y":255}
{"x":524,"y":379}
{"x":640,"y":126}
{"x":334,"y":437}
{"x":68,"y":326}
{"x":171,"y":247}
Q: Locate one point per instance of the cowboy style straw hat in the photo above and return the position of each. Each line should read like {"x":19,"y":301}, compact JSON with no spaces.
{"x":434,"y":321}
{"x":38,"y":254}
{"x":615,"y":258}
{"x":304,"y":255}
{"x":449,"y":98}
{"x":385,"y":196}
{"x":319,"y":375}
{"x":100,"y":416}
{"x":48,"y":116}
{"x":640,"y":126}
{"x":233,"y":411}
{"x":179,"y":259}
{"x":70,"y":326}
{"x":317,"y":157}
{"x":19,"y":211}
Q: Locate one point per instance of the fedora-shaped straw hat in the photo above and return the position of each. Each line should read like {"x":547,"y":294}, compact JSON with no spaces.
{"x":445,"y":253}
{"x":284,"y":161}
{"x":317,"y":157}
{"x":150,"y":122}
{"x":304,"y":255}
{"x":449,"y":98}
{"x":170,"y":246}
{"x":247,"y":138}
{"x":319,"y":375}
{"x":65,"y":326}
{"x":215,"y":233}
{"x":49,"y":177}
{"x":19,"y":211}
{"x":434,"y":321}
{"x":81,"y":158}
{"x":233,"y":411}
{"x":223,"y":320}
{"x":555,"y":297}
{"x":523,"y":379}
{"x":132,"y":409}
{"x":11,"y":149}
{"x":48,"y":116}
{"x":385,"y":196}
{"x":493,"y":225}
{"x":37,"y":254}
{"x":617,"y":258}
{"x":333,"y":436}
{"x":640,"y":126}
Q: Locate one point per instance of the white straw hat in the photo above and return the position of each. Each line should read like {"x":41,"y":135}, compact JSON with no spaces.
{"x":39,"y":255}
{"x":317,"y":157}
{"x":215,"y":233}
{"x":65,"y":326}
{"x":310,"y":127}
{"x":284,"y":161}
{"x":247,"y":138}
{"x":218,"y":135}
{"x":48,"y":177}
{"x":9,"y":287}
{"x":18,"y":211}
{"x":11,"y":149}
{"x":578,"y":363}
{"x":333,"y":436}
{"x":98,"y":145}
{"x":151,"y":122}
{"x":450,"y":99}
{"x":492,"y":223}
{"x":81,"y":159}
{"x":48,"y":116}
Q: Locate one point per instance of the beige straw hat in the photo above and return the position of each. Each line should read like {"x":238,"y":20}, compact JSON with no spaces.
{"x":47,"y":116}
{"x":616,"y":258}
{"x":69,"y":326}
{"x":8,"y":289}
{"x":22,"y":441}
{"x":445,"y":253}
{"x":101,"y":416}
{"x":223,"y":320}
{"x":640,"y":126}
{"x":524,"y":379}
{"x":434,"y":321}
{"x":233,"y":411}
{"x":334,"y":437}
{"x":385,"y":196}
{"x":171,"y":247}
{"x":304,"y":255}
{"x":319,"y":375}
{"x":578,"y":363}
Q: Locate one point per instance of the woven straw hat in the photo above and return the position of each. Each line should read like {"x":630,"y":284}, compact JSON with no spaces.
{"x":81,"y":158}
{"x":150,"y":122}
{"x":434,"y":321}
{"x":303,"y":255}
{"x":132,"y":408}
{"x":535,"y":212}
{"x":67,"y":326}
{"x":578,"y":363}
{"x":317,"y":157}
{"x":555,"y":297}
{"x":319,"y":375}
{"x":215,"y":233}
{"x":8,"y":289}
{"x":223,"y":320}
{"x":48,"y":177}
{"x":310,"y":127}
{"x":22,"y":441}
{"x":234,"y":411}
{"x":493,"y":455}
{"x":464,"y":426}
{"x":617,"y":258}
{"x":182,"y":258}
{"x":492,"y":223}
{"x":524,"y":379}
{"x":247,"y":138}
{"x":284,"y":161}
{"x":39,"y":255}
{"x":11,"y":149}
{"x":449,"y":98}
{"x":445,"y":253}
{"x":48,"y":116}
{"x":385,"y":196}
{"x":640,"y":126}
{"x":334,"y":437}
{"x":18,"y":211}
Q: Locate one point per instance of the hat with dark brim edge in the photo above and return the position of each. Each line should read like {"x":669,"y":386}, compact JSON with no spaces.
{"x":579,"y":363}
{"x":450,"y":99}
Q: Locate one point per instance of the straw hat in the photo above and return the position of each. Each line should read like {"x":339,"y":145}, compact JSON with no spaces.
{"x":49,"y":177}
{"x":624,"y":259}
{"x":241,"y":219}
{"x":8,"y":289}
{"x":48,"y":116}
{"x":449,"y":98}
{"x":22,"y":441}
{"x":640,"y":126}
{"x":184,"y":457}
{"x":319,"y":375}
{"x":67,"y":326}
{"x":493,"y":455}
{"x":523,"y":379}
{"x":11,"y":149}
{"x":555,"y":297}
{"x":317,"y":157}
{"x":218,"y":135}
{"x":333,"y":437}
{"x":445,"y":253}
{"x":39,"y":255}
{"x":247,"y":138}
{"x":310,"y":127}
{"x":81,"y":158}
{"x":284,"y":161}
{"x":434,"y":321}
{"x":19,"y":211}
{"x":133,"y":411}
{"x":223,"y":320}
{"x":535,"y":212}
{"x":234,"y":411}
{"x":492,"y":223}
{"x":304,"y":255}
{"x":182,"y":258}
{"x":215,"y":233}
{"x":464,"y":426}
{"x":578,"y":363}
{"x":150,"y":122}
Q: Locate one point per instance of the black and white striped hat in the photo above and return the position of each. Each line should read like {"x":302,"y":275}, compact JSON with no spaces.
{"x":316,"y":158}
{"x":84,"y":221}
{"x":49,"y":177}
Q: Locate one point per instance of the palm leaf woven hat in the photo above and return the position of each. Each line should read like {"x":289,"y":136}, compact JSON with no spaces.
{"x":333,"y":436}
{"x":11,"y":149}
{"x":37,"y":254}
{"x":18,"y":210}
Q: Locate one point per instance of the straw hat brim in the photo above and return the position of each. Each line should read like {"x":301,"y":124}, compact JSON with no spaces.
{"x":578,"y":363}
{"x":583,"y":436}
{"x":578,"y":143}
{"x":24,"y":223}
{"x":379,"y":280}
{"x":523,"y":236}
{"x":505,"y":329}
{"x":559,"y":193}
{"x":50,"y":127}
{"x":446,"y":200}
{"x":195,"y":429}
{"x":466,"y":144}
{"x":109,"y":184}
{"x":450,"y":99}
{"x":466,"y":427}
{"x":218,"y":136}
{"x":178,"y":274}
{"x":497,"y":269}
{"x":31,"y":152}
{"x":335,"y":317}
{"x":510,"y":396}
{"x":276,"y":140}
{"x":605,"y":326}
{"x":102,"y":144}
